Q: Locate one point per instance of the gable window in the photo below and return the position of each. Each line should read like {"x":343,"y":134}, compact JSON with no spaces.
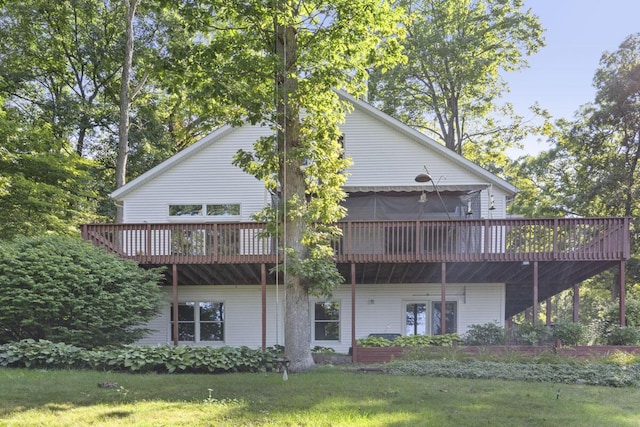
{"x":327,"y":321}
{"x":227,"y":209}
{"x":185,"y":210}
{"x":423,"y":317}
{"x":199,"y":321}
{"x":205,"y":210}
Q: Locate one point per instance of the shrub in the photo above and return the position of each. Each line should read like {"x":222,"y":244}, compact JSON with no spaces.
{"x":410,"y":341}
{"x":131,"y":358}
{"x":65,"y":290}
{"x":622,"y":335}
{"x":595,"y":373}
{"x":568,"y":333}
{"x":373,"y":342}
{"x":487,"y":334}
{"x":531,"y":333}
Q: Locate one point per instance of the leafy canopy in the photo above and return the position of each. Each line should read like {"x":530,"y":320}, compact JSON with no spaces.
{"x":448,"y":87}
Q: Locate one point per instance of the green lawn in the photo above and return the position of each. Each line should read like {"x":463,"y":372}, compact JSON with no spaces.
{"x":323,"y":397}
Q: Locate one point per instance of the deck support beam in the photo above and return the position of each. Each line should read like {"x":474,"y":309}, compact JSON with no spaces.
{"x":535,"y":292}
{"x":576,"y":303}
{"x":354,"y":348}
{"x":548,"y":311}
{"x":443,"y":299}
{"x":623,"y":297}
{"x":263,"y":289}
{"x":174,"y":270}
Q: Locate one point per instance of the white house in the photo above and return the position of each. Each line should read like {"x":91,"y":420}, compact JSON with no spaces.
{"x":426,"y":228}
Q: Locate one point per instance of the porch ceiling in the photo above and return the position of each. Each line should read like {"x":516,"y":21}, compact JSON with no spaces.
{"x":553,"y":276}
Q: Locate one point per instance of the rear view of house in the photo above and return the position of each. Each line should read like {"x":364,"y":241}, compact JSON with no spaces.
{"x":427,"y":247}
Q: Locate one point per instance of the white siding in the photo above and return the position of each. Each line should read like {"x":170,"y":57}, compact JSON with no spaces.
{"x":206,"y":177}
{"x":382,"y":155}
{"x":379,"y":308}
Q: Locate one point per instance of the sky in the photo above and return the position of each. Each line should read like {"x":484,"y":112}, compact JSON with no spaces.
{"x":560,"y":75}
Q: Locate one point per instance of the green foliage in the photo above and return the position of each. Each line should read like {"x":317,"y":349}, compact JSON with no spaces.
{"x":487,"y":334}
{"x":66,"y":290}
{"x":162,"y":359}
{"x":622,"y":335}
{"x":532,"y":333}
{"x":447,"y":88}
{"x":373,"y":342}
{"x":568,"y":333}
{"x":410,"y":341}
{"x":593,"y":374}
{"x":43,"y":188}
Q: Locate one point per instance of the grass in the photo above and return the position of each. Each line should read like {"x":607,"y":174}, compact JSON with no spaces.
{"x":322,"y":397}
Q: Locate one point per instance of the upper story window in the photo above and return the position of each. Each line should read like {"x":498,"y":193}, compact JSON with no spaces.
{"x":205,"y":210}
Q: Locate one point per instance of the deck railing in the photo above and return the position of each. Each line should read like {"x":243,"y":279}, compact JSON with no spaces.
{"x":376,"y":241}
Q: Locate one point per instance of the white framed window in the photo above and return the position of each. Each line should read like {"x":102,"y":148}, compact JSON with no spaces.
{"x":204,"y":210}
{"x":199,"y":321}
{"x":326,"y":321}
{"x":424,"y":317}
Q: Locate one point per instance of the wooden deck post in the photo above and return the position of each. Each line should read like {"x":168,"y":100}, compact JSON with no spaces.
{"x":548,"y":310}
{"x":354,"y":348}
{"x":535,"y":292}
{"x":443,"y":300}
{"x":576,"y":303}
{"x":175,"y":304}
{"x":263,"y":288}
{"x":623,"y":298}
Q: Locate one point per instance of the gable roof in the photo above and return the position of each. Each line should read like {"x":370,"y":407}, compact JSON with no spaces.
{"x":408,"y":131}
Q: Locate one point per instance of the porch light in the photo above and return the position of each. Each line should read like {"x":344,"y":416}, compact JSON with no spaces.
{"x":423,"y":177}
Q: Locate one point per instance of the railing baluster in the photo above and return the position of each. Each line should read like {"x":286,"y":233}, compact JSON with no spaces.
{"x":377,"y":241}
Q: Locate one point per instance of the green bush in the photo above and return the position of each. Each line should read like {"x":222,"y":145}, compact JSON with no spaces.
{"x":568,"y":333}
{"x":595,"y":373}
{"x":163,"y":359}
{"x":622,"y":335}
{"x":410,"y":341}
{"x":373,"y":342}
{"x":487,"y":334}
{"x":532,"y":333}
{"x":63,"y":289}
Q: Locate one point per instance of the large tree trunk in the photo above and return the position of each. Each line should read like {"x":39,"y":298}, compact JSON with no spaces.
{"x":125,"y":100}
{"x":297,"y":325}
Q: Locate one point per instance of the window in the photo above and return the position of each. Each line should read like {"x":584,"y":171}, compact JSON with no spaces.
{"x":327,"y":321}
{"x":228,"y":209}
{"x":199,"y":321}
{"x":203,"y":209}
{"x":418,"y":321}
{"x":185,"y":210}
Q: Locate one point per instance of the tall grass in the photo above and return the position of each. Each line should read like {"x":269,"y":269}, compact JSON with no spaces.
{"x":322,"y":397}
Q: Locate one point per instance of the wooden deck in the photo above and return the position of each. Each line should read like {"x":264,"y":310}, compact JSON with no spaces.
{"x":491,"y":240}
{"x":554,"y":253}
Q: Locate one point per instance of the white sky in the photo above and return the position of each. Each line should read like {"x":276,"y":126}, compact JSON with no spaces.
{"x":560,"y":74}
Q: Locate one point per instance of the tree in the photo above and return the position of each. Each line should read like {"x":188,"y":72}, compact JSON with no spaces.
{"x":127,"y":94}
{"x":43,"y":187}
{"x":65,"y":290}
{"x":449,"y":84}
{"x":310,"y":49}
{"x":60,"y":62}
{"x":592,"y":169}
